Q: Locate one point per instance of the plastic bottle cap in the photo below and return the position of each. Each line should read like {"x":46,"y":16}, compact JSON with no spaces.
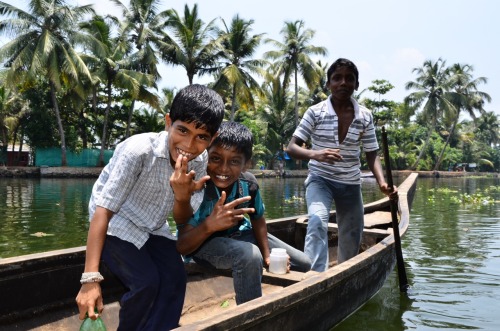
{"x":278,"y":251}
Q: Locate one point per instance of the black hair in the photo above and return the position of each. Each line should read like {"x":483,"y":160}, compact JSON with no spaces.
{"x":233,"y":134}
{"x":341,"y":62}
{"x":199,"y":104}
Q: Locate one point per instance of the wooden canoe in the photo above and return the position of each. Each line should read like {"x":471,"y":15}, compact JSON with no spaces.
{"x":38,"y":291}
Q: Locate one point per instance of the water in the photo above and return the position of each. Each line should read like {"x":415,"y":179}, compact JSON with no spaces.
{"x":42,"y":214}
{"x":451,"y":249}
{"x":452,"y":254}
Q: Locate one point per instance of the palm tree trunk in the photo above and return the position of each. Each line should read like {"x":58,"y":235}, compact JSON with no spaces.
{"x":296,"y":105}
{"x":422,"y":151}
{"x":5,"y":137}
{"x":18,"y":157}
{"x":296,"y":111}
{"x":14,"y":137}
{"x":440,"y":158}
{"x":100,"y":163}
{"x":59,"y":124}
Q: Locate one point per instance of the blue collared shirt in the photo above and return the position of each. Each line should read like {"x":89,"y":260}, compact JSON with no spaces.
{"x":246,"y":185}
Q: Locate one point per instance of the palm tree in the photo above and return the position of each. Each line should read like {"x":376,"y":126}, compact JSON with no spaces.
{"x":143,"y":27}
{"x":468,"y":98}
{"x":43,"y":47}
{"x":433,"y":86}
{"x":293,"y":57}
{"x":278,"y":114}
{"x":319,"y":92}
{"x":148,"y":120}
{"x":167,"y":99}
{"x":114,"y":69}
{"x":192,"y":45}
{"x":6,"y":115}
{"x":235,"y":69}
{"x":487,"y":128}
{"x":13,"y":110}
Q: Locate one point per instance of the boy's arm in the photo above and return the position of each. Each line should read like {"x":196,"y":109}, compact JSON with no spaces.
{"x":90,"y":295}
{"x":259,"y":227}
{"x":295,"y":150}
{"x":189,"y":237}
{"x":376,"y":167}
{"x":222,"y":217}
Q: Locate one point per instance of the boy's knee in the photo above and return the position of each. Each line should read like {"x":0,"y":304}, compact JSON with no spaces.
{"x":318,"y":220}
{"x":249,"y":255}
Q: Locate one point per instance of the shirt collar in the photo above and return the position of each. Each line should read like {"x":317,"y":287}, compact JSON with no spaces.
{"x":355,"y":105}
{"x":213,"y":193}
{"x":160,"y":145}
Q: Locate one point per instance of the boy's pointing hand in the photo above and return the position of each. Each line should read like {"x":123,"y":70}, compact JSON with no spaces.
{"x":225,"y":216}
{"x":182,"y":182}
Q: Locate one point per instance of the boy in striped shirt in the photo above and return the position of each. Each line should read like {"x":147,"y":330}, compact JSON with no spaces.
{"x":336,"y":129}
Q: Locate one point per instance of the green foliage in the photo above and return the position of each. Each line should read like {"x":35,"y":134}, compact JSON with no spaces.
{"x":148,"y":120}
{"x":40,"y":125}
{"x":383,"y":110}
{"x":475,"y":200}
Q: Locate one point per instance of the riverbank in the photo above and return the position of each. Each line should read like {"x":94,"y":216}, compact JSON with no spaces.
{"x":93,"y":172}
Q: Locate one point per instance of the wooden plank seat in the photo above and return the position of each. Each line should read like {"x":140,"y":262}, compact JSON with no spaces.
{"x":372,"y":223}
{"x":287,"y":279}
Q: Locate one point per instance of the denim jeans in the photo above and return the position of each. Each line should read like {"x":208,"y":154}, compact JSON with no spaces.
{"x":320,"y":194}
{"x":155,"y":279}
{"x":241,"y":254}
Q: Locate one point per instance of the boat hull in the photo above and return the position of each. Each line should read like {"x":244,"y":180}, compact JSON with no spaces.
{"x":41,"y":288}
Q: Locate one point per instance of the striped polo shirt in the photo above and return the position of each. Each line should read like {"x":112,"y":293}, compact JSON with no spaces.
{"x":320,"y":125}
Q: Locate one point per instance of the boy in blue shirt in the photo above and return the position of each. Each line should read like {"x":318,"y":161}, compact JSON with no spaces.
{"x":130,"y":203}
{"x":219,"y":235}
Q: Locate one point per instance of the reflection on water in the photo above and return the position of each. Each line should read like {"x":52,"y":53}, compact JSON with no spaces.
{"x":48,"y":214}
{"x":286,"y":197}
{"x":42,"y":214}
{"x":451,"y":250}
{"x":452,"y":254}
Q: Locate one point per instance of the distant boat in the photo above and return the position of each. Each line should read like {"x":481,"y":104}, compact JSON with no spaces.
{"x":39,"y":290}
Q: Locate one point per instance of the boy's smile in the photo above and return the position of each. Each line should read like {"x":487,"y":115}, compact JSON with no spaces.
{"x":186,"y":139}
{"x":225,"y":165}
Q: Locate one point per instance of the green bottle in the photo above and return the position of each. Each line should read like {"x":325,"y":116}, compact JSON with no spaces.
{"x":91,"y":325}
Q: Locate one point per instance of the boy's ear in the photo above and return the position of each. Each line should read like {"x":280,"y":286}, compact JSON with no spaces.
{"x":168,"y":122}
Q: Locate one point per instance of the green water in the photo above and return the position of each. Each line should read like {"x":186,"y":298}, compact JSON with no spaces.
{"x":451,"y":249}
{"x":452,"y":254}
{"x":38,"y":215}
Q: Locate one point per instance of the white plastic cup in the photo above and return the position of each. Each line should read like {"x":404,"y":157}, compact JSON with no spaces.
{"x":279,"y":261}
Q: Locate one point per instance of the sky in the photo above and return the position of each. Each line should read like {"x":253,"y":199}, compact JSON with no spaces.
{"x":386,"y":39}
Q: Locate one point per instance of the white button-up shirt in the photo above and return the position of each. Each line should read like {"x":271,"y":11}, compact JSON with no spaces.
{"x":135,"y":185}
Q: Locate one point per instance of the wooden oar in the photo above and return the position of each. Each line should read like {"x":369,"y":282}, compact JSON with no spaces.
{"x":403,"y":280}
